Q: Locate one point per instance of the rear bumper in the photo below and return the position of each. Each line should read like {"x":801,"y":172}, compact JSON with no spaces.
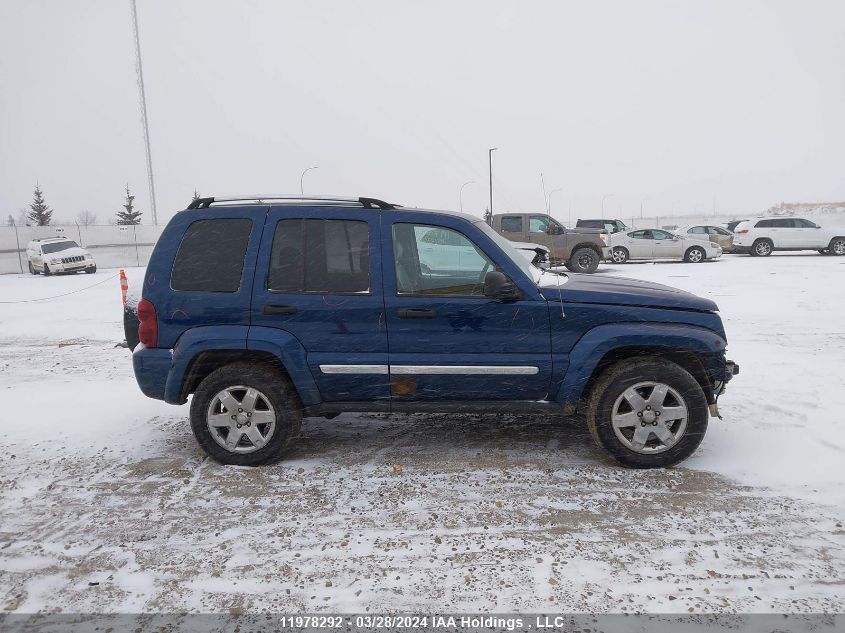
{"x":606,"y":251}
{"x":152,"y":367}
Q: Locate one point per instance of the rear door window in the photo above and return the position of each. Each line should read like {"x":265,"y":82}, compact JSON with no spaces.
{"x":512,"y":224}
{"x":320,"y":256}
{"x":211,"y":255}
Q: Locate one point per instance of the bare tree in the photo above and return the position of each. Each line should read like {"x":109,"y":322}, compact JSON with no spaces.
{"x":86,"y":218}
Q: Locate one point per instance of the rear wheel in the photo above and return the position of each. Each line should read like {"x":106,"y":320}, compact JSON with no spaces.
{"x":647,"y":413}
{"x":619,"y":255}
{"x":695,"y":255}
{"x":245,"y":414}
{"x":583,"y":260}
{"x":762,"y":248}
{"x":837,"y":246}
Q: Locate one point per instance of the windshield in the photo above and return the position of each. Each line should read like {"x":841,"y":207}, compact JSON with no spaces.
{"x":511,"y":251}
{"x":55,"y":247}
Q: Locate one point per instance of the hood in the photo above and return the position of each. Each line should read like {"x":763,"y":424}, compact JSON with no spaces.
{"x":626,"y":292}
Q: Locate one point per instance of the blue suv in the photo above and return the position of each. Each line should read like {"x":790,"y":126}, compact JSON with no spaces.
{"x":270,"y":309}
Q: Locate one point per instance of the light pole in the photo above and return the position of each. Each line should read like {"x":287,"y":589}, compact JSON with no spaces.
{"x":302,"y":175}
{"x":603,"y":198}
{"x":641,"y":207}
{"x":461,"y":194}
{"x":549,"y":201}
{"x":143,"y":103}
{"x":490,"y":165}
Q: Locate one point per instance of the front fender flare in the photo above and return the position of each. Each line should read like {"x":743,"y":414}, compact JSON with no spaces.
{"x":595,"y":344}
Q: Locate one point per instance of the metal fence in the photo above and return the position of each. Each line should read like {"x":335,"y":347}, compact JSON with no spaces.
{"x":112,"y":246}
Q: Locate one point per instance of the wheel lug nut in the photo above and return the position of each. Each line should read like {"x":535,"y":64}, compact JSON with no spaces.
{"x":639,"y":413}
{"x":249,"y":415}
{"x":239,"y":426}
{"x":234,"y":416}
{"x":240,"y":410}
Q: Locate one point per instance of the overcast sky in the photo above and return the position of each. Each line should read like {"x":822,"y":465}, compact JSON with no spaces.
{"x":678,"y":103}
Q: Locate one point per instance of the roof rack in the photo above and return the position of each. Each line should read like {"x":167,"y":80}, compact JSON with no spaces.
{"x":368,"y":203}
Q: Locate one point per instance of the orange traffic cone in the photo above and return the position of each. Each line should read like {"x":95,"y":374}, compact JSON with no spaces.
{"x":124,"y":285}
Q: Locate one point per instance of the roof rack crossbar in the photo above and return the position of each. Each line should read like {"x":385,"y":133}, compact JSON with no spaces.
{"x":367,"y":203}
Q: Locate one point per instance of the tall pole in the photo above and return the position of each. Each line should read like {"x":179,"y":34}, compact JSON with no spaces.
{"x":641,"y":207}
{"x":461,"y":193}
{"x":490,"y":165}
{"x":302,"y":175}
{"x":549,"y":203}
{"x":139,"y":69}
{"x":603,"y":198}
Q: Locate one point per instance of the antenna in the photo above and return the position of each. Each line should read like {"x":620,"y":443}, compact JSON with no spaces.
{"x":143,"y":105}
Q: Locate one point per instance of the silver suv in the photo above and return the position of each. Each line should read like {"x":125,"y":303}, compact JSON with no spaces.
{"x":51,"y":255}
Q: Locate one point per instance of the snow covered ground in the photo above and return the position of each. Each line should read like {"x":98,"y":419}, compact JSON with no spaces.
{"x":108,"y":505}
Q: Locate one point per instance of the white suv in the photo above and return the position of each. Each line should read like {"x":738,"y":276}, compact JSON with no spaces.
{"x":58,"y":255}
{"x":761,"y":236}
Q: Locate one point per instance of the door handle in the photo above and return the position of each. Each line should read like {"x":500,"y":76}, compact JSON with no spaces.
{"x":417,"y":313}
{"x":271,"y":309}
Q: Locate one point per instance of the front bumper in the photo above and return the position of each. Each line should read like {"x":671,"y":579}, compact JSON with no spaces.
{"x":73,"y":266}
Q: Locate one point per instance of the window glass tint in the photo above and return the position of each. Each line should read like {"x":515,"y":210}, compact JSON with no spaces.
{"x":55,"y":247}
{"x":211,"y":255}
{"x":762,"y":224}
{"x":661,"y":235}
{"x":320,"y":256}
{"x":640,"y":235}
{"x":512,"y":224}
{"x":432,"y":260}
{"x":698,"y":229}
{"x":783,"y":224}
{"x":286,"y":257}
{"x":804,"y":224}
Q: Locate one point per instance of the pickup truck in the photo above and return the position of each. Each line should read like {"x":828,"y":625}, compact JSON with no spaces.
{"x":580,"y":250}
{"x":248,"y":305}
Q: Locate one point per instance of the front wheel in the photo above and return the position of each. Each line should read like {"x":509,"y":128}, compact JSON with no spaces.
{"x":91,"y":270}
{"x":47,"y":272}
{"x":583,"y":260}
{"x":647,"y":413}
{"x":245,"y":414}
{"x":32,"y":269}
{"x":695,"y":255}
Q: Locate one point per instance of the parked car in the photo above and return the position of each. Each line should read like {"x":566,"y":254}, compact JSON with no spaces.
{"x":611,"y":226}
{"x":537,"y":254}
{"x":710,"y":233}
{"x":762,"y":236}
{"x":49,"y":255}
{"x":271,"y":308}
{"x":660,"y":244}
{"x":579,"y":250}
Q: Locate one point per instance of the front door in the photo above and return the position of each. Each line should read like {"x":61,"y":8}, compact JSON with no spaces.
{"x":666,"y":245}
{"x":640,"y":244}
{"x":319,"y":278}
{"x":447,"y":340}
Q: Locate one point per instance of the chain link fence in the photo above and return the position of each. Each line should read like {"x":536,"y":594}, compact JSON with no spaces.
{"x":112,"y":246}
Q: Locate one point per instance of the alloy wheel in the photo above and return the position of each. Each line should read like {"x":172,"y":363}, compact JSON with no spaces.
{"x":241,"y":419}
{"x":649,"y":417}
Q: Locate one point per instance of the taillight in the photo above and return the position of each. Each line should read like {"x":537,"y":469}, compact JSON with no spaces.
{"x":742,"y":232}
{"x":147,"y":323}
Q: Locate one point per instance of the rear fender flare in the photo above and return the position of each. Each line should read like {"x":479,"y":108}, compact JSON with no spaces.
{"x":595,"y":344}
{"x":194,"y":342}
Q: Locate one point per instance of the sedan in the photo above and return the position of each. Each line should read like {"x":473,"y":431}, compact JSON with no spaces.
{"x":659,"y":244}
{"x":722,"y":237}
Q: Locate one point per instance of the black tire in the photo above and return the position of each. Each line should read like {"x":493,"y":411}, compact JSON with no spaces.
{"x":695,"y":255}
{"x":625,"y":374}
{"x":91,"y":270}
{"x":619,"y":255}
{"x":32,"y":268}
{"x":47,"y":272}
{"x":762,"y":248}
{"x":274,"y":386}
{"x":583,"y":260}
{"x":837,"y":246}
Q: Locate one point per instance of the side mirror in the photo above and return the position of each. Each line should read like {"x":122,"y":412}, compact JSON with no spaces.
{"x":497,"y":285}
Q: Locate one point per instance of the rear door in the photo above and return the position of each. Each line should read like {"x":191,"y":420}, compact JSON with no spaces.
{"x":513,"y":228}
{"x":447,"y":340}
{"x":639,"y":244}
{"x":319,"y":278}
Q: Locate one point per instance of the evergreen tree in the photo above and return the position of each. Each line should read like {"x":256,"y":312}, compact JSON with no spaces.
{"x":40,"y":214}
{"x":129,"y":215}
